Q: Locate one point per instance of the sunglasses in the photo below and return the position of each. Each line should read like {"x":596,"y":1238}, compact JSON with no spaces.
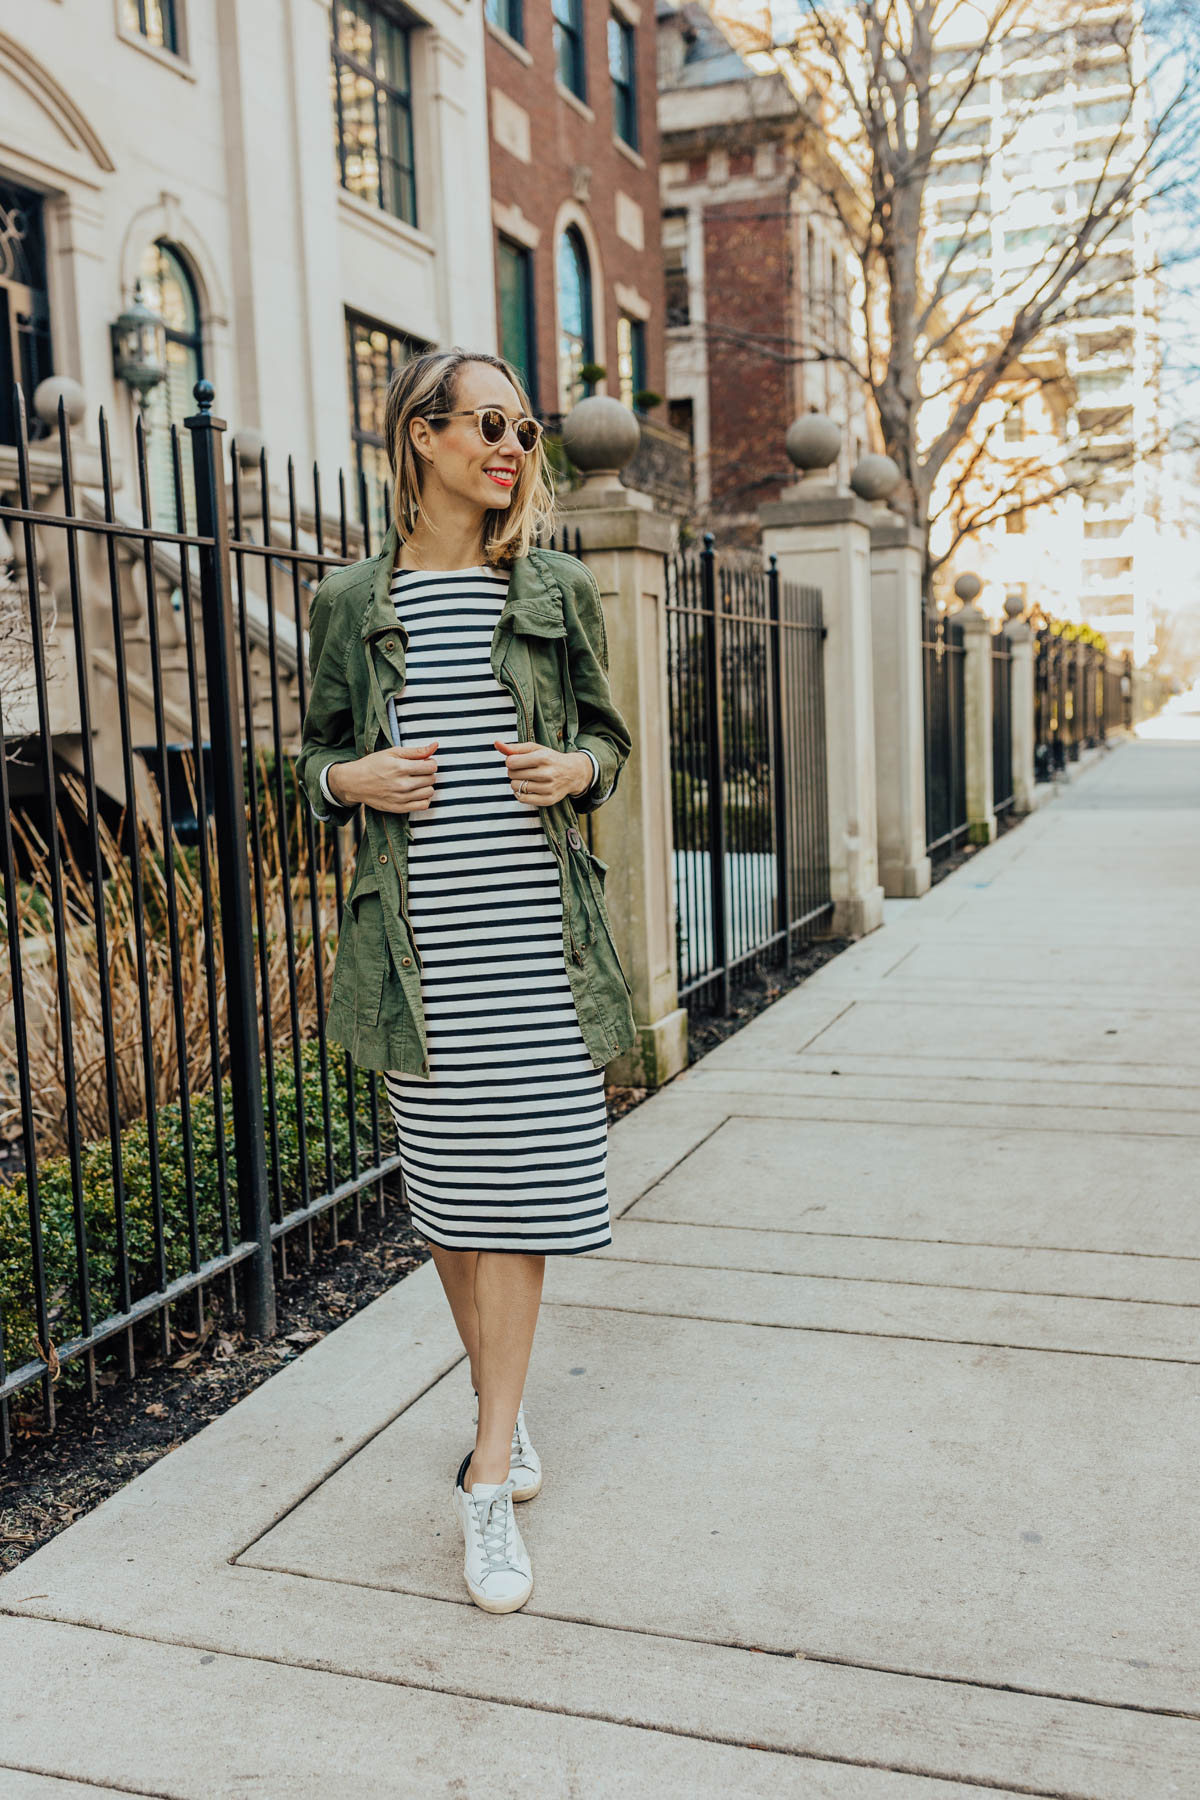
{"x":493,"y":423}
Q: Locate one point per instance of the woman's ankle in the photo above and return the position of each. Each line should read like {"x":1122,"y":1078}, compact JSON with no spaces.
{"x":489,"y":1473}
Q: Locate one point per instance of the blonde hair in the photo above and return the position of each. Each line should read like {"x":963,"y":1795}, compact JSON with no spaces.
{"x":427,"y":385}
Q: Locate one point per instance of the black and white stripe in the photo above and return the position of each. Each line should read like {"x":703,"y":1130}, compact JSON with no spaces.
{"x":505,"y":1145}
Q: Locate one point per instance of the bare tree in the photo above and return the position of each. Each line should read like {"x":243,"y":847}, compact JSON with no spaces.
{"x":982,"y":235}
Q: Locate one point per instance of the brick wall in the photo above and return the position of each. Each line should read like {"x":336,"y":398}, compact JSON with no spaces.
{"x":747,"y":289}
{"x":545,"y":150}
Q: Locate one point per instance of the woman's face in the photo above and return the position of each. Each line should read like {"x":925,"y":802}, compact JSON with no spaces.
{"x":455,"y":455}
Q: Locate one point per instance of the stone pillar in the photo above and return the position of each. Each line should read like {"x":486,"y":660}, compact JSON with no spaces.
{"x":977,"y":684}
{"x":1019,"y":636}
{"x":897,"y":559}
{"x":624,"y":541}
{"x":821,"y":535}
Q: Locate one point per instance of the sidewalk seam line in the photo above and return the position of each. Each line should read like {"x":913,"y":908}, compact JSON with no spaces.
{"x":904,"y":1337}
{"x":883,"y":1237}
{"x":341,"y":1461}
{"x":93,"y":1781}
{"x":953,"y":1287}
{"x":834,"y":1662}
{"x":828,"y":1118}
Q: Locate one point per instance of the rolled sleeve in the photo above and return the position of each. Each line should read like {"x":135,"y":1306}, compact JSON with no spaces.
{"x":602,"y":732}
{"x":590,"y":791}
{"x":327,"y":732}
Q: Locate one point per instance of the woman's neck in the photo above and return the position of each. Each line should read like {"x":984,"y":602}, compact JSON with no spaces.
{"x":448,"y":535}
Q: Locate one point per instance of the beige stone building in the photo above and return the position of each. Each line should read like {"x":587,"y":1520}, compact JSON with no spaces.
{"x":302,"y":188}
{"x":301,"y":191}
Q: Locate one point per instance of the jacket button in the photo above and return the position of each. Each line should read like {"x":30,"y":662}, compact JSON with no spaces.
{"x":558,"y":733}
{"x":406,"y":962}
{"x":574,"y":839}
{"x":391,"y":644}
{"x":383,"y":858}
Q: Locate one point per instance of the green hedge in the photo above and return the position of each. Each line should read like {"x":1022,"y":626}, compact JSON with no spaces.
{"x":17,"y":1313}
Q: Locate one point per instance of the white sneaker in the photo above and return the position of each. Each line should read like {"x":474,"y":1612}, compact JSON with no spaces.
{"x":497,"y":1568}
{"x":524,"y":1463}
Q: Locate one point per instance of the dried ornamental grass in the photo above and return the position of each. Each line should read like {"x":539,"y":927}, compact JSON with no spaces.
{"x":43,"y":1045}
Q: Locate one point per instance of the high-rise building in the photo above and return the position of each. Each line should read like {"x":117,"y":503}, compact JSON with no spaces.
{"x":1055,"y":117}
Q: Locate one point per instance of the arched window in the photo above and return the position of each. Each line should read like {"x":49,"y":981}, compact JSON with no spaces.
{"x":25,"y":353}
{"x":170,"y":290}
{"x":575,"y":346}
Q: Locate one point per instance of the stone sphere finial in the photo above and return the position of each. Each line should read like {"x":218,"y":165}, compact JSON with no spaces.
{"x":875,"y":477}
{"x":600,"y":435}
{"x":813,"y":442}
{"x":250,"y":446}
{"x":46,"y":397}
{"x":968,"y":588}
{"x":1014,"y":606}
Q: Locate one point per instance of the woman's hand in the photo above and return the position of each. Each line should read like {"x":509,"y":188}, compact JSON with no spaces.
{"x":398,"y":779}
{"x":540,"y":776}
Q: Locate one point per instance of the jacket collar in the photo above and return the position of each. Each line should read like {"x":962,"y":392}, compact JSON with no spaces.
{"x":534,"y":603}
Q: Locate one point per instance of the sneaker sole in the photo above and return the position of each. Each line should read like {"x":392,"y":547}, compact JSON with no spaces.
{"x":514,"y":1601}
{"x":498,"y":1606}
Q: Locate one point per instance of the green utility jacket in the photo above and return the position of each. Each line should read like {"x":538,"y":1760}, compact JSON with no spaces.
{"x":550,"y":652}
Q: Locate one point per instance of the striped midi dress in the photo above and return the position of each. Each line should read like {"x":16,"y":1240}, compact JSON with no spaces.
{"x":504,"y":1146}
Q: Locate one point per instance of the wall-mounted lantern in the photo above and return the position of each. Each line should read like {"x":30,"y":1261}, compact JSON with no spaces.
{"x":139,"y":339}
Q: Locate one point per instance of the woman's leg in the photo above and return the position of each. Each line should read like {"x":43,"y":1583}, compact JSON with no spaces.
{"x":457,"y":1270}
{"x":508,"y":1292}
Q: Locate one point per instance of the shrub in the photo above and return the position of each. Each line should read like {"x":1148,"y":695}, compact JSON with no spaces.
{"x":56,"y":1205}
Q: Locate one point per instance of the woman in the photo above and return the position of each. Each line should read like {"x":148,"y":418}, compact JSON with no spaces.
{"x":460,"y":695}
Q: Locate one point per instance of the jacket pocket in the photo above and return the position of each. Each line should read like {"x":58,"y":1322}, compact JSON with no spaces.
{"x":362,"y":953}
{"x":602,"y":934}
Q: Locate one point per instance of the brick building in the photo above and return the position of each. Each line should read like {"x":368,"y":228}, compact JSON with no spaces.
{"x":759,"y":295}
{"x":574,"y":162}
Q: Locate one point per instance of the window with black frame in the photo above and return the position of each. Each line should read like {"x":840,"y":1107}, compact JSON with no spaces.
{"x":568,"y":46}
{"x":515,"y":282}
{"x":169,"y":289}
{"x":155,"y":20}
{"x":631,"y":360}
{"x":576,"y":349}
{"x":507,"y":15}
{"x":675,"y":266}
{"x":375,"y":352}
{"x":25,"y":352}
{"x":621,"y":68}
{"x":371,"y":77}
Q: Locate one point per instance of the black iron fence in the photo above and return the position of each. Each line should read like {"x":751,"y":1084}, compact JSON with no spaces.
{"x":1081,"y":692}
{"x":1117,"y":692}
{"x":171,"y":1117}
{"x":1002,"y":766}
{"x":944,"y":664}
{"x":746,"y":701}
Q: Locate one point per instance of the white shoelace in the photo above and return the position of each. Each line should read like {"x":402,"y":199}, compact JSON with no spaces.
{"x":493,"y":1518}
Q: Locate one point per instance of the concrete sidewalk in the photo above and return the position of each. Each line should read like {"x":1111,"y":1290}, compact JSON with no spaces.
{"x":870,"y":1445}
